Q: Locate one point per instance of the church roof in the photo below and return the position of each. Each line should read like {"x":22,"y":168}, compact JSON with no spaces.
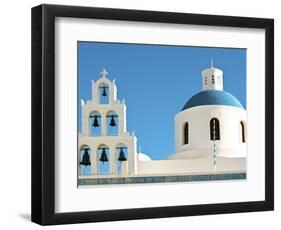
{"x":212,"y":97}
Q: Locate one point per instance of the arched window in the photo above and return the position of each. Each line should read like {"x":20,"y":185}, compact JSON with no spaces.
{"x":112,"y":124}
{"x":103,"y":94}
{"x":121,"y":159}
{"x":214,"y":129}
{"x":95,"y":124}
{"x":103,"y":160}
{"x":185,"y":134}
{"x":242,"y":132}
{"x":85,"y":162}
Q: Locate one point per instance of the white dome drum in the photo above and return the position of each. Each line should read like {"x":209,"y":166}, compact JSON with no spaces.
{"x":197,"y":141}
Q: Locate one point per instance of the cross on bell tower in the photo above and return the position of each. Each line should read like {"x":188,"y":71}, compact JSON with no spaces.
{"x":103,"y":73}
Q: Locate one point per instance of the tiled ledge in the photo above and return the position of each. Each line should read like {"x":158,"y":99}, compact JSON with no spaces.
{"x":160,"y":179}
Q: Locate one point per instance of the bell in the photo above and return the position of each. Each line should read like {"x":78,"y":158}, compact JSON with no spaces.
{"x":104,"y":92}
{"x":86,"y":158}
{"x":112,"y":121}
{"x":103,"y":156}
{"x":121,"y":155}
{"x":96,"y":123}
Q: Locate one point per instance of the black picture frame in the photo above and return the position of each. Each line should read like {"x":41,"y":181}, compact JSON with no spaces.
{"x":43,"y":114}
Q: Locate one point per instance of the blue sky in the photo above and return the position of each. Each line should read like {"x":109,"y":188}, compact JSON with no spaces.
{"x":156,"y":81}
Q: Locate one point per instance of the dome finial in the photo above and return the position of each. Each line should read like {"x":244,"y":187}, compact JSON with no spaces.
{"x":212,"y":63}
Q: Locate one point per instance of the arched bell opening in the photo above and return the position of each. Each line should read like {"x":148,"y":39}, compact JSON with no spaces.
{"x":121,"y":159}
{"x":112,"y":125}
{"x":214,"y":129}
{"x":103,"y":160}
{"x":85,"y":162}
{"x":95,"y":124}
{"x":103,"y":93}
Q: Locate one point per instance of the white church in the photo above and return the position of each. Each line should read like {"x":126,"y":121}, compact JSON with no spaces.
{"x":210,"y":134}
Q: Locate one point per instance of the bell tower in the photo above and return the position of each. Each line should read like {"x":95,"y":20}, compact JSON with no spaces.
{"x":212,"y":78}
{"x":111,"y":149}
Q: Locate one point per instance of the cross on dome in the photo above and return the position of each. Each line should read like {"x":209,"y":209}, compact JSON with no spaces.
{"x":104,"y":73}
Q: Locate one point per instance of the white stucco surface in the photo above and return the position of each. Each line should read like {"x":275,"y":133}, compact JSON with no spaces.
{"x":191,"y":166}
{"x":200,"y":144}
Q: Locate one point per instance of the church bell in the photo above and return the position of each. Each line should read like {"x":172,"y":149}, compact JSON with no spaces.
{"x":96,"y":123}
{"x":104,"y":92}
{"x":112,"y":121}
{"x":86,"y":158}
{"x":121,"y":155}
{"x":103,"y":156}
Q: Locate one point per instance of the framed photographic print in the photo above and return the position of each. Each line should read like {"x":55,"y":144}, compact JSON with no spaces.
{"x":142,"y":114}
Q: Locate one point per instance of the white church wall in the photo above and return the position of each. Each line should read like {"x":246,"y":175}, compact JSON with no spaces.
{"x":198,"y":118}
{"x":191,"y":166}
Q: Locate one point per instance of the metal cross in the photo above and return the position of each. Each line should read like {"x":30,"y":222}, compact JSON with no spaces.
{"x":103,"y":73}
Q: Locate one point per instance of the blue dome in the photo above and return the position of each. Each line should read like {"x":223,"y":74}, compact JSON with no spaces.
{"x":212,"y":97}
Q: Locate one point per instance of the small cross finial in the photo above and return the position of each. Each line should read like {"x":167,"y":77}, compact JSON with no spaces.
{"x":103,"y":73}
{"x":212,"y":63}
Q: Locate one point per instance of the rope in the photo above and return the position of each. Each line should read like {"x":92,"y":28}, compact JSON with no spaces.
{"x":119,"y":171}
{"x":101,"y":170}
